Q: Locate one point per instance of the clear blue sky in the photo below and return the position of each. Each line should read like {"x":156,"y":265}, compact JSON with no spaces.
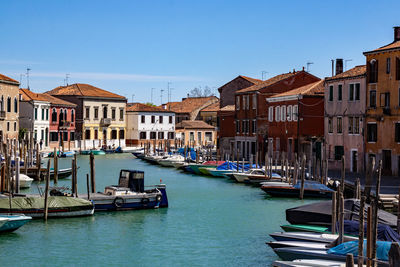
{"x":129,"y":47}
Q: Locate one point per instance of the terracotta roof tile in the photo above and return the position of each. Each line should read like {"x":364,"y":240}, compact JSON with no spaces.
{"x":253,"y":80}
{"x":28,"y":95}
{"x":82,"y":89}
{"x":267,"y":83}
{"x":354,"y":72}
{"x":7,"y":79}
{"x":316,"y":88}
{"x":189,"y":104}
{"x":57,"y":101}
{"x":193,"y":125}
{"x":212,"y":107}
{"x":394,"y":45}
{"x":144,"y":107}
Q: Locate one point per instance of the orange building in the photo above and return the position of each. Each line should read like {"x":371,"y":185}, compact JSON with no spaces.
{"x":382,"y":136}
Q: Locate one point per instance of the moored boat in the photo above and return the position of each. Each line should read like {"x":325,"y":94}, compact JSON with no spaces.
{"x":208,"y":164}
{"x":24,"y":181}
{"x":129,"y":194}
{"x":10,"y":223}
{"x":312,"y":189}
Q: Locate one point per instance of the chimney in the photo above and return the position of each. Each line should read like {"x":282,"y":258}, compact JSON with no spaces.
{"x":339,"y":66}
{"x":396,"y":33}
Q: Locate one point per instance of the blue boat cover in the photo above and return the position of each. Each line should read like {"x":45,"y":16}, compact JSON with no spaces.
{"x":192,"y":152}
{"x":382,"y":249}
{"x":228,"y":165}
{"x":313,"y":185}
{"x":385,"y":232}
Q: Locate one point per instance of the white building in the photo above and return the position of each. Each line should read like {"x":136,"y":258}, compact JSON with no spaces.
{"x":34,"y":115}
{"x":147,"y":123}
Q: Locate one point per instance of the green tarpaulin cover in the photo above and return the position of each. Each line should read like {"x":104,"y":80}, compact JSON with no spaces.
{"x":24,"y":203}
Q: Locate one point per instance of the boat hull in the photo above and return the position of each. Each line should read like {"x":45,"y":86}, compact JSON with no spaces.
{"x":195,"y":167}
{"x":13,"y":222}
{"x":289,"y":191}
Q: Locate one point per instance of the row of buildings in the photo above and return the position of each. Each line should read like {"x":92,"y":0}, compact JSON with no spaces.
{"x":355,"y":113}
{"x":84,"y":116}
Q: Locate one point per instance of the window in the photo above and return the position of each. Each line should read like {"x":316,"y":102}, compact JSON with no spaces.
{"x":330,"y":125}
{"x":143,"y":135}
{"x":385,"y":100}
{"x":247,"y":102}
{"x":47,"y":114}
{"x":142,"y":118}
{"x":372,"y":98}
{"x":42,"y":114}
{"x":397,"y":68}
{"x":397,"y":132}
{"x":254,"y":102}
{"x":331,"y":93}
{"x":254,"y":127}
{"x":122,"y":134}
{"x":191,"y":136}
{"x":170,"y":119}
{"x":271,"y":114}
{"x":237,"y":122}
{"x":350,"y":125}
{"x":161,"y":119}
{"x":9,"y":104}
{"x":356,"y":127}
{"x":113,"y":115}
{"x":372,"y":132}
{"x":289,"y":113}
{"x":339,"y":125}
{"x":121,"y":114}
{"x":295,"y":112}
{"x":153,"y":119}
{"x":277,"y":113}
{"x":199,"y":137}
{"x":72,"y":115}
{"x":114,"y":134}
{"x":72,"y":136}
{"x":244,"y":102}
{"x":87,"y":134}
{"x":15,"y":105}
{"x":96,"y":113}
{"x":283,"y":113}
{"x":351,"y":92}
{"x":87,"y":114}
{"x":60,"y":116}
{"x":65,"y":136}
{"x":53,"y":136}
{"x":54,"y":115}
{"x":105,"y":112}
{"x":160,"y":135}
{"x":153,"y":135}
{"x":244,"y":130}
{"x":339,"y":152}
{"x":36,"y":111}
{"x":340,"y":92}
{"x":15,"y":126}
{"x":208,"y":136}
{"x":171,"y":135}
{"x":388,"y":65}
{"x":96,"y":134}
{"x":237,"y":102}
{"x":373,"y":71}
{"x":357,"y":91}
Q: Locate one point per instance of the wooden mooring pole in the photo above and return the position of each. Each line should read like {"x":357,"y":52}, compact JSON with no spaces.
{"x":88,"y":186}
{"x":55,"y":158}
{"x":93,"y":173}
{"x":361,"y":232}
{"x":303,"y":172}
{"x":46,"y":191}
{"x":333,"y":217}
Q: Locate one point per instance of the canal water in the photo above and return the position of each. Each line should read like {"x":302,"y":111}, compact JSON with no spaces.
{"x":209,"y":222}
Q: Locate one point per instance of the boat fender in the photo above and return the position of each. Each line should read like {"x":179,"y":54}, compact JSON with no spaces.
{"x":145,"y":200}
{"x":158,"y":198}
{"x":118,"y":202}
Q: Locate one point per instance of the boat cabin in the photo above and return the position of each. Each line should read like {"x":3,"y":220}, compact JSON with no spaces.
{"x":130,"y":182}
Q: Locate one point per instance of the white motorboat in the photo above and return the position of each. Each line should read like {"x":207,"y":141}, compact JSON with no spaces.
{"x":304,"y":263}
{"x":24,"y":181}
{"x":169,"y":162}
{"x":302,"y":244}
{"x":306,"y":236}
{"x":254,"y":176}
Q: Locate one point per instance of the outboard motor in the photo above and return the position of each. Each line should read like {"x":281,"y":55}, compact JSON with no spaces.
{"x":136,"y":181}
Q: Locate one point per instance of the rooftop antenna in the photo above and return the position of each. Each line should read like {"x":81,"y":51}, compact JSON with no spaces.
{"x":168,"y":91}
{"x":66,"y":79}
{"x":133,"y":96}
{"x":162,"y":90}
{"x":262,"y":74}
{"x":27,"y":76}
{"x":309,"y":63}
{"x":345,"y":63}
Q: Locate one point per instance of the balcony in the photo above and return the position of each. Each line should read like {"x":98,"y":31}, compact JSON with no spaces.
{"x":105,"y":122}
{"x":2,"y":115}
{"x":64,"y":125}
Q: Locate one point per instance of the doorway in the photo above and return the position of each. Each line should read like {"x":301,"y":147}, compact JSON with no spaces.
{"x":387,"y":162}
{"x":354,"y":159}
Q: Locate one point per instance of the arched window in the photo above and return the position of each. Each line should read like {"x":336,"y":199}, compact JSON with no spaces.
{"x":2,"y":104}
{"x":54,"y":115}
{"x":9,"y":104}
{"x":65,"y":114}
{"x":15,"y":105}
{"x":61,"y":116}
{"x":105,"y":112}
{"x":72,"y":115}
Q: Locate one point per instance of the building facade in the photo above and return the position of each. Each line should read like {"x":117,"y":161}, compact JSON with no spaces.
{"x":382,"y":138}
{"x":34,"y":116}
{"x":100,"y":115}
{"x":228,"y":90}
{"x":148,"y":124}
{"x":9,"y":108}
{"x":345,"y":98}
{"x":296,"y":122}
{"x":209,"y":114}
{"x":195,"y":134}
{"x":226,"y":133}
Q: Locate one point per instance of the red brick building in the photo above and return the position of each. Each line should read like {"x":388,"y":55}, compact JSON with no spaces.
{"x":296,"y":120}
{"x":228,"y":90}
{"x":226,"y":118}
{"x":251,"y":110}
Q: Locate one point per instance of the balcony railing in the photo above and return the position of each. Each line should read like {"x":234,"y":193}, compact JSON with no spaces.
{"x":105,"y":122}
{"x":64,"y":124}
{"x":2,"y":115}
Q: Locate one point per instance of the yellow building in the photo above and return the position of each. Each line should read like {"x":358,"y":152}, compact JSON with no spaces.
{"x":382,"y":136}
{"x":9,"y":112}
{"x":100,"y":115}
